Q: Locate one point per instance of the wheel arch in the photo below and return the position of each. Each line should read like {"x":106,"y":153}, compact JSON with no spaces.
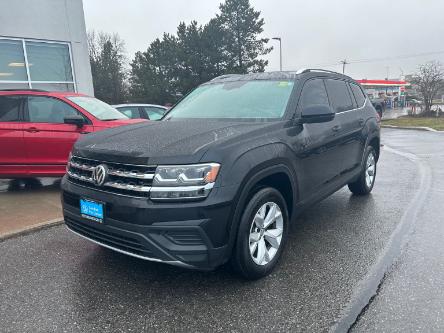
{"x":260,"y":177}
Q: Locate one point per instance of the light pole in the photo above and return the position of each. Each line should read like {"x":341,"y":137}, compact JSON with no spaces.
{"x":280,"y":51}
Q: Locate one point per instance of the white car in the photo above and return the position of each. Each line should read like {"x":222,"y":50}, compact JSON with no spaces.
{"x":144,"y":111}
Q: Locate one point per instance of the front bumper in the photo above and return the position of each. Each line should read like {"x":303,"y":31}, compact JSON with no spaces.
{"x":188,"y":234}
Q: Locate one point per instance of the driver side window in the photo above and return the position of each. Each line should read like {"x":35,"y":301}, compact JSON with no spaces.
{"x":313,"y":93}
{"x":43,"y":109}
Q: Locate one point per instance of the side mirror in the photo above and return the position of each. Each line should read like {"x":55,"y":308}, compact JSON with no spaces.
{"x":317,"y":114}
{"x":77,"y":120}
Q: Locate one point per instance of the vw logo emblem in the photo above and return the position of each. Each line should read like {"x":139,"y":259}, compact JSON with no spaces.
{"x":99,"y":175}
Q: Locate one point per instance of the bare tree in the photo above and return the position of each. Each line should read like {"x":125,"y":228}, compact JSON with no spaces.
{"x":429,"y":81}
{"x":108,"y":66}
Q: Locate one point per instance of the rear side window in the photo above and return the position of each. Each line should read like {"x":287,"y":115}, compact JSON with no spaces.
{"x":359,"y":95}
{"x":154,"y":113}
{"x":10,"y":108}
{"x":48,"y":110}
{"x":314,"y":93}
{"x":130,"y":111}
{"x":339,"y":96}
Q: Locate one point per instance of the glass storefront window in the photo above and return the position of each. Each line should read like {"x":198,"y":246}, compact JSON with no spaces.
{"x":48,"y":65}
{"x":49,"y":62}
{"x":12,"y":61}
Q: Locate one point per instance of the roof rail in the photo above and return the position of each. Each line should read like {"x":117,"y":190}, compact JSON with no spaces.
{"x":225,"y":76}
{"x":306,"y":70}
{"x":24,"y":89}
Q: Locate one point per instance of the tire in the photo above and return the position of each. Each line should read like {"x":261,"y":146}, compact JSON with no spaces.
{"x":265,"y":249}
{"x":366,"y":180}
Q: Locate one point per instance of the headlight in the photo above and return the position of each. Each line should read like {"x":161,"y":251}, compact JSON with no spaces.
{"x":184,"y":181}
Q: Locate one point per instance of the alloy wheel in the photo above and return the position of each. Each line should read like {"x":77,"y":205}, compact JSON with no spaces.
{"x":266,"y":233}
{"x":370,"y":170}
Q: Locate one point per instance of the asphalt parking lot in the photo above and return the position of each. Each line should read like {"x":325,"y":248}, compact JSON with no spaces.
{"x":52,"y":280}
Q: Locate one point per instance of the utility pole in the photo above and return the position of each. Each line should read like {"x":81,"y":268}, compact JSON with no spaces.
{"x":344,"y":62}
{"x":280,"y":51}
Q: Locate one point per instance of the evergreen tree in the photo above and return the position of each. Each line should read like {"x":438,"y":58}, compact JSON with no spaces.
{"x":176,"y":64}
{"x":154,"y":72}
{"x":242,"y":26}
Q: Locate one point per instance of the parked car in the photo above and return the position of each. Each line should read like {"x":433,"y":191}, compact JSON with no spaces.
{"x":379,"y":105}
{"x":144,"y":111}
{"x":225,"y":173}
{"x":39,"y":128}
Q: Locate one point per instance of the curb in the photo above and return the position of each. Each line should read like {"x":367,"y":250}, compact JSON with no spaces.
{"x":30,"y":229}
{"x":418,"y":128}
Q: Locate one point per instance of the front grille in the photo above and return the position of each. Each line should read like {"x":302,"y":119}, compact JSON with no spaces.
{"x":125,"y":179}
{"x":115,"y":240}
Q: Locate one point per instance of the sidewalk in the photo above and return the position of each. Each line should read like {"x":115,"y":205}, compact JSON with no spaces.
{"x":28,"y":204}
{"x":394,"y":113}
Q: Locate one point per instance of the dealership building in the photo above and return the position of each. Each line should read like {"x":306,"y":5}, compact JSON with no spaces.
{"x":43,"y":45}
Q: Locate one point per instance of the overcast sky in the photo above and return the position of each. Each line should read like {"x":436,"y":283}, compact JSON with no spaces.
{"x":315,"y":33}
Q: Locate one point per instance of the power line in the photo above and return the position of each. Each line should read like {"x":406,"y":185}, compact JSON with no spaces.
{"x":405,"y":56}
{"x":361,"y":61}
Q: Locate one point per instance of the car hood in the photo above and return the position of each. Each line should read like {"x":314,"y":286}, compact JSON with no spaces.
{"x":119,"y":122}
{"x":177,"y":141}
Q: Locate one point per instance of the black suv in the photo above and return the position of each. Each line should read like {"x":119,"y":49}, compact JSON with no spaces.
{"x":226,"y":171}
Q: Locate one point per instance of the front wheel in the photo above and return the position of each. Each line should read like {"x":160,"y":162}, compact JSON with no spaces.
{"x":262,"y":234}
{"x":364,"y":184}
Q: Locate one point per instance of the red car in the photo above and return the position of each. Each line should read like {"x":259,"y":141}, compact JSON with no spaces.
{"x":38,"y":129}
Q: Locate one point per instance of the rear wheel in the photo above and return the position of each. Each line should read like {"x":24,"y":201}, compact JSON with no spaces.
{"x":364,"y":184}
{"x":262,"y":234}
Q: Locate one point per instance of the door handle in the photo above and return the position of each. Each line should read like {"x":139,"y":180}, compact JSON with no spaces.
{"x":361,"y":121}
{"x":336,"y":128}
{"x":32,"y":130}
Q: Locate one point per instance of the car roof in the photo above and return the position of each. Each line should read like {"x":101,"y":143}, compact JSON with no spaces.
{"x":279,"y":75}
{"x":36,"y":92}
{"x":138,"y":104}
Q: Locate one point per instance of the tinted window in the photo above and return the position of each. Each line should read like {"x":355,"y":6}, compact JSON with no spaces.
{"x":48,"y":110}
{"x":130,"y":111}
{"x":154,"y":113}
{"x":314,"y":93}
{"x":359,"y":95}
{"x":338,"y":94}
{"x":9,"y":108}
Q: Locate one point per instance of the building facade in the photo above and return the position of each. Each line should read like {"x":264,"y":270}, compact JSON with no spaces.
{"x":43,"y":45}
{"x":392,"y":91}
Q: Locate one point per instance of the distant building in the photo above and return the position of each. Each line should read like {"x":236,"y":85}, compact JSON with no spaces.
{"x":384,"y":88}
{"x":43,"y":45}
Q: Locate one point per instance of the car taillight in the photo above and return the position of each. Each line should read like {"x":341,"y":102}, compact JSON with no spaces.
{"x":378,"y":118}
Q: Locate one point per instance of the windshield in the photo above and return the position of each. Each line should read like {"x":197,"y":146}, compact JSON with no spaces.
{"x":240,"y":99}
{"x":97,"y":108}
